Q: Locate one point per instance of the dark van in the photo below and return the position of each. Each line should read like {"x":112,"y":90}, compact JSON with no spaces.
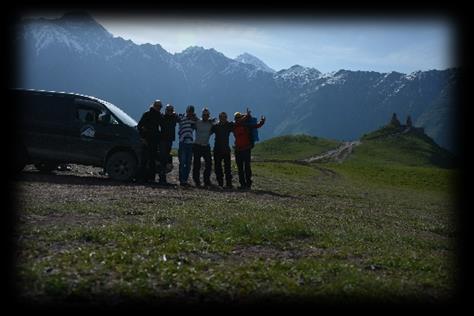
{"x":57,"y":128}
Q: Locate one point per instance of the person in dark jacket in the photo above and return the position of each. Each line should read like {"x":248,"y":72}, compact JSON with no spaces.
{"x":243,"y":146}
{"x":148,"y":127}
{"x":222,"y":131}
{"x":167,"y":135}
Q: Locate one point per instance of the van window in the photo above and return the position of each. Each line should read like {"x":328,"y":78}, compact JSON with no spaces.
{"x":117,"y":114}
{"x":87,"y":116}
{"x":46,"y":108}
{"x":121,"y":115}
{"x":107,"y":118}
{"x":94,"y":116}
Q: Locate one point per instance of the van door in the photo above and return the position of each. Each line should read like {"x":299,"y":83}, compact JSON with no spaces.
{"x":45,"y":126}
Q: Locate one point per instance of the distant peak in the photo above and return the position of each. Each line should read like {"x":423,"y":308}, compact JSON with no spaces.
{"x":198,"y":51}
{"x":78,"y":16}
{"x":295,"y":67}
{"x":300,"y":69}
{"x":81,"y":20}
{"x":192,"y":49}
{"x":247,"y":58}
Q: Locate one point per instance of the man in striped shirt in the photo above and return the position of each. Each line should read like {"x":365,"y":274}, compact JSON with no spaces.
{"x":187,"y":124}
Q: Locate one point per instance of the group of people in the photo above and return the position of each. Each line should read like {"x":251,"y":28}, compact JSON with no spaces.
{"x":158,"y":130}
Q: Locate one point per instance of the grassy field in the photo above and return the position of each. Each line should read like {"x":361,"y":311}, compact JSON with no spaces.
{"x":369,"y":229}
{"x":293,"y":147}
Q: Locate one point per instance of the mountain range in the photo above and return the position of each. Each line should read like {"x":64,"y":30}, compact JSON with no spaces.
{"x":75,"y":53}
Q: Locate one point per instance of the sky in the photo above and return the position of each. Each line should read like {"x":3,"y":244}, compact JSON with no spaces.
{"x":328,"y":44}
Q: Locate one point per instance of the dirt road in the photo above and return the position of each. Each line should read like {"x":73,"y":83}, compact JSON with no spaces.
{"x":339,"y":154}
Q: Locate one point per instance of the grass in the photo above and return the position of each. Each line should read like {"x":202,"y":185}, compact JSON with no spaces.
{"x":347,"y":232}
{"x":412,"y":148}
{"x":410,"y":160}
{"x":293,"y":147}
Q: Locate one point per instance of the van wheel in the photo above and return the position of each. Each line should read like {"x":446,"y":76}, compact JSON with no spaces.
{"x":46,"y":166}
{"x":121,"y":166}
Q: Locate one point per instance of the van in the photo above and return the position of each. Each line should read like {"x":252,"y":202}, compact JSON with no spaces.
{"x":57,"y":128}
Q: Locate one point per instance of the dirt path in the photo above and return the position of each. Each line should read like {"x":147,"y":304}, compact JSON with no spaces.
{"x":339,"y":154}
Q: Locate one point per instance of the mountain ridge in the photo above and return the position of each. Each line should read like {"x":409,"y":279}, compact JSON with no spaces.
{"x":342,"y":104}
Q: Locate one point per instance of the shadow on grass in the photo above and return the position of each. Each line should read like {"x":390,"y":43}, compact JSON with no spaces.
{"x":58,"y":178}
{"x":266,"y":192}
{"x":97,"y":180}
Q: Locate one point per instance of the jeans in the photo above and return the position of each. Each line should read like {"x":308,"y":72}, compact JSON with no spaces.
{"x":242,"y":159}
{"x":205,"y":152}
{"x":185,"y":156}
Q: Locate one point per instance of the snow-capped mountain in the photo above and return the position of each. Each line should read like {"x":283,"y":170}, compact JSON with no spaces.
{"x":362,"y":101}
{"x":297,"y":76}
{"x":74,"y":31}
{"x":75,"y":53}
{"x":246,"y":58}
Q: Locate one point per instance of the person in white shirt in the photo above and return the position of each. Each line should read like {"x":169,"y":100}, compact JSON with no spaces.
{"x":201,"y":148}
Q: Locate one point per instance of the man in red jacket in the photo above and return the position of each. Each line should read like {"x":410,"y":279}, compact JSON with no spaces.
{"x":243,"y":146}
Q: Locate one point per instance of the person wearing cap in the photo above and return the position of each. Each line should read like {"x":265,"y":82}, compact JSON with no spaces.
{"x":202,"y":149}
{"x":222,"y":130}
{"x":187,"y":124}
{"x":167,"y":135}
{"x":243,"y":147}
{"x":148,"y":128}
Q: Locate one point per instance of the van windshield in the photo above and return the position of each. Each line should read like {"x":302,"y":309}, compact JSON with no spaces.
{"x":121,"y":115}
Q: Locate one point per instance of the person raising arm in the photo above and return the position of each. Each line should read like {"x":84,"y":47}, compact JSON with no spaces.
{"x":243,"y":147}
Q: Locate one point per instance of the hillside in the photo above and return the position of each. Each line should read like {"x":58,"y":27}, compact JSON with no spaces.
{"x":387,"y":145}
{"x":391,"y":155}
{"x":411,"y":147}
{"x":294,"y":147}
{"x":376,"y":227}
{"x":400,"y":157}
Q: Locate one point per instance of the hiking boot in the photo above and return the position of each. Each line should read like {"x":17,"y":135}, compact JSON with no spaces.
{"x":185,"y":184}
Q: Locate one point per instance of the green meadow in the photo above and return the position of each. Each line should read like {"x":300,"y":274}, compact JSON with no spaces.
{"x":378,"y":227}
